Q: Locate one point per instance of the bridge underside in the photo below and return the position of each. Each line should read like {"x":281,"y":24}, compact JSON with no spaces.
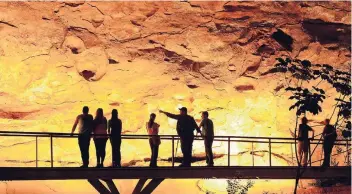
{"x":239,"y":172}
{"x":97,"y":176}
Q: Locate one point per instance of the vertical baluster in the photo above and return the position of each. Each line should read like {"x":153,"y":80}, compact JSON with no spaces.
{"x":310,"y":156}
{"x":173,"y":150}
{"x":252,"y":155}
{"x":348,"y":153}
{"x":270,"y":151}
{"x":51,"y":150}
{"x":291,"y":153}
{"x":36,"y":151}
{"x":228,"y":151}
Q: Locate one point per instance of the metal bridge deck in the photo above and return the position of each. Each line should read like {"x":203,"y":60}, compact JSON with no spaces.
{"x":238,"y":172}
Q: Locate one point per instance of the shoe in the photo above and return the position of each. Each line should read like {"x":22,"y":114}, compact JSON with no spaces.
{"x":84,"y":166}
{"x":210,"y":165}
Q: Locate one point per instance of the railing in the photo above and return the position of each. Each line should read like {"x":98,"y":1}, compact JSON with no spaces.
{"x":270,"y":141}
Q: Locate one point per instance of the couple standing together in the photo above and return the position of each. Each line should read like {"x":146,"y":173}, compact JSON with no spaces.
{"x":101,"y":128}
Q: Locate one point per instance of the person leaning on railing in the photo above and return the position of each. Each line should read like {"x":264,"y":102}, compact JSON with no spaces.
{"x":208,"y":135}
{"x":330,"y":136}
{"x":85,"y":127}
{"x":304,"y":141}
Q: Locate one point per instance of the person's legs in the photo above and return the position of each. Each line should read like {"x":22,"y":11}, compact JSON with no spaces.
{"x":327,"y":152}
{"x":152,"y":153}
{"x":300,"y":151}
{"x":84,"y":142}
{"x":81,"y":148}
{"x":209,"y":151}
{"x":118,"y":151}
{"x":183,"y":149}
{"x":97,"y":150}
{"x":330,"y":145}
{"x":103,"y":150}
{"x":305,"y":152}
{"x":113,"y":151}
{"x":206,"y":150}
{"x":155,"y":156}
{"x":188,"y":151}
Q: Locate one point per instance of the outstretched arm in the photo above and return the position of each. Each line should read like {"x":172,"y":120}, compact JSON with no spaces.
{"x":170,"y":115}
{"x":75,"y":125}
{"x":196,"y":126}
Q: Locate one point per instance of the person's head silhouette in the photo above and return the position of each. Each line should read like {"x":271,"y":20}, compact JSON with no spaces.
{"x":304,"y":120}
{"x":114,"y":114}
{"x":99,"y":114}
{"x":183,"y":111}
{"x":327,"y":121}
{"x":205,"y":115}
{"x":85,"y":110}
{"x":152,"y":116}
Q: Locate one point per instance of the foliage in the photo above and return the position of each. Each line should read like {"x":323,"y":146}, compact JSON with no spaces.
{"x":234,"y":186}
{"x":310,"y":99}
{"x":306,"y":101}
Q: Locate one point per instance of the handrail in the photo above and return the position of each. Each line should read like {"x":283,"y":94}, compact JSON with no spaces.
{"x":229,"y":139}
{"x":54,"y":134}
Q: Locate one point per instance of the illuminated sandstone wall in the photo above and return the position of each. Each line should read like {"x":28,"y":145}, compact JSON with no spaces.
{"x":139,"y":57}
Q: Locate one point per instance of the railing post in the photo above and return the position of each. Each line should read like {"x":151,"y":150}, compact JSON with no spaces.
{"x":348,"y":153}
{"x":173,"y":150}
{"x":36,"y":151}
{"x":228,"y":151}
{"x":51,"y":151}
{"x":270,"y":151}
{"x":252,"y":155}
{"x":291,"y":153}
{"x":310,"y":155}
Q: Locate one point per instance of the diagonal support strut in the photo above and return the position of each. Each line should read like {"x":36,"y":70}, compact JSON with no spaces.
{"x":151,"y":186}
{"x":101,"y":188}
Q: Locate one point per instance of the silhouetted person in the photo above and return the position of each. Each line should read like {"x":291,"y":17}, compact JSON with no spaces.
{"x":185,"y":127}
{"x":330,"y":136}
{"x":115,"y":129}
{"x":208,"y":135}
{"x":304,"y":141}
{"x":100,"y":136}
{"x":154,"y":141}
{"x":85,"y":126}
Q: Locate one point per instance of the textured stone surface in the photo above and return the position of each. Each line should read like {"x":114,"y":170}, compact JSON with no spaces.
{"x":139,"y":57}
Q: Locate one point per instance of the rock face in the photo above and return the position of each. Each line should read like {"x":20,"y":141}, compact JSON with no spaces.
{"x":138,"y":57}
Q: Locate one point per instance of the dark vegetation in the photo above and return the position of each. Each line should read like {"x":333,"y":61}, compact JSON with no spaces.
{"x":308,"y":97}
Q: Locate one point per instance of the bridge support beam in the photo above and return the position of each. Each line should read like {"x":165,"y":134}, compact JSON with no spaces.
{"x":149,"y":188}
{"x":102,"y":189}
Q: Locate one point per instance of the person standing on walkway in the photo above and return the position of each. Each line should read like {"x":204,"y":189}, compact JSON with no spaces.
{"x":208,"y":135}
{"x":114,"y":130}
{"x":100,"y":136}
{"x":154,"y":140}
{"x":185,"y":127}
{"x":304,"y":141}
{"x":330,"y":136}
{"x":85,"y":126}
